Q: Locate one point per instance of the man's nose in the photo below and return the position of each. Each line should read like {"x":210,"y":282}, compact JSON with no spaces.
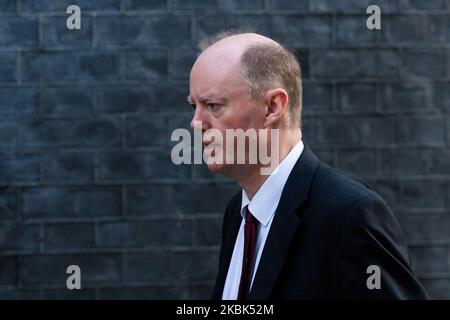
{"x":199,"y":120}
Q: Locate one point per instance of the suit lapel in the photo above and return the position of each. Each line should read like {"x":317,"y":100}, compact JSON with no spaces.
{"x":284,"y":225}
{"x":229,"y":240}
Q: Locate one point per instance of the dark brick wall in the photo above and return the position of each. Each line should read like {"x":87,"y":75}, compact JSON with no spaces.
{"x":86,"y":117}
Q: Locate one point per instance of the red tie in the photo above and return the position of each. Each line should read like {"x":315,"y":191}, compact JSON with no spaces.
{"x":249,"y":252}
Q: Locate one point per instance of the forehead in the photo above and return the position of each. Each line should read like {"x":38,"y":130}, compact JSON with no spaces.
{"x":216,"y":70}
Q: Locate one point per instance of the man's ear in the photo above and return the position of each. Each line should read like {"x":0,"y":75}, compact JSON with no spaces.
{"x":277,"y":101}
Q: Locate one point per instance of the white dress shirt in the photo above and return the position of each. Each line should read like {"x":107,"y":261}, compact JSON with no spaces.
{"x":263,"y":207}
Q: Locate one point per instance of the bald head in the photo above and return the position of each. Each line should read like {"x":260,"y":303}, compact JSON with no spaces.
{"x":236,"y":42}
{"x":259,"y":61}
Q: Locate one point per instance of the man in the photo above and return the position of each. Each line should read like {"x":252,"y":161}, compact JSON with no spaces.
{"x":306,"y":231}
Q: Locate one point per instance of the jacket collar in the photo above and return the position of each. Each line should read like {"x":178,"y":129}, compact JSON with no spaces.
{"x":284,"y":225}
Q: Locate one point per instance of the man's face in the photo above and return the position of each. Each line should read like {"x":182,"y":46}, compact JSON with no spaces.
{"x":221,"y":99}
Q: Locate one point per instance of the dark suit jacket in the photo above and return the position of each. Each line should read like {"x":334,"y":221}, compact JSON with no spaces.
{"x":328,"y":228}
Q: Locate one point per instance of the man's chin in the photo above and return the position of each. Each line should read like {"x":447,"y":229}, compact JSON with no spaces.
{"x":217,"y":168}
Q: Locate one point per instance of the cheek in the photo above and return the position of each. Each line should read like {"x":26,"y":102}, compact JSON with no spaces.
{"x":252,"y":116}
{"x":242,"y":116}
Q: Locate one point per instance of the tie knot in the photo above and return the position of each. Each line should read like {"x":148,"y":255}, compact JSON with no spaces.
{"x":249,"y":218}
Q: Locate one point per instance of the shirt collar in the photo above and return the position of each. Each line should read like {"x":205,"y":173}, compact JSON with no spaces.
{"x":266,"y":199}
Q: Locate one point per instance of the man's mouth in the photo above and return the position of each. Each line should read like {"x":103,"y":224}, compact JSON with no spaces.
{"x":205,"y":143}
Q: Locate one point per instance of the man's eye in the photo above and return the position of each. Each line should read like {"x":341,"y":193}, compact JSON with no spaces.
{"x":213,"y":106}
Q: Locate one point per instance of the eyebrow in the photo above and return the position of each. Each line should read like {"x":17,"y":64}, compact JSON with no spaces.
{"x":207,"y":97}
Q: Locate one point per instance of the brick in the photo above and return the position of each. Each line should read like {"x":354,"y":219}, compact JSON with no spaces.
{"x":69,"y":167}
{"x":403,"y":29}
{"x":353,"y":5}
{"x":20,"y":294}
{"x":18,"y":101}
{"x":403,"y":96}
{"x":182,"y":63}
{"x":146,"y":293}
{"x":426,"y":227}
{"x":69,"y":101}
{"x":148,"y":200}
{"x":426,"y":161}
{"x":205,"y":26}
{"x":147,"y":132}
{"x":69,"y":236}
{"x":7,"y":6}
{"x":8,"y":134}
{"x":288,"y":5}
{"x":19,"y":168}
{"x":61,"y":5}
{"x":127,"y":166}
{"x":167,"y":266}
{"x":423,"y":195}
{"x":56,"y":33}
{"x":64,"y":294}
{"x":353,"y":30}
{"x":308,"y":127}
{"x":52,"y":269}
{"x":146,"y":65}
{"x":208,"y":232}
{"x":325,"y":156}
{"x":439,"y":29}
{"x":356,"y":97}
{"x":71,"y":202}
{"x":146,"y":234}
{"x":19,"y":237}
{"x":316,"y":97}
{"x":8,"y":66}
{"x":65,"y":133}
{"x":359,"y":130}
{"x":230,"y":5}
{"x":441,"y":96}
{"x":425,"y":5}
{"x":8,"y":271}
{"x":70,"y":66}
{"x":145,"y":4}
{"x":8,"y":203}
{"x":142,"y":99}
{"x":448,"y":129}
{"x":18,"y":32}
{"x":358,"y":162}
{"x":181,"y":121}
{"x":200,"y":266}
{"x":303,"y":58}
{"x":143,"y":30}
{"x":422,"y":129}
{"x":355,"y":63}
{"x":429,"y":259}
{"x":292,"y":30}
{"x":389,"y":191}
{"x":190,"y":199}
{"x":386,"y":63}
{"x":149,"y":267}
{"x":424,"y":62}
{"x":201,"y":292}
{"x":437,"y":288}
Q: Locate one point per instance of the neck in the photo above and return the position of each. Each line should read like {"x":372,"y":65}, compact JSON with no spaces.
{"x":251,"y":179}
